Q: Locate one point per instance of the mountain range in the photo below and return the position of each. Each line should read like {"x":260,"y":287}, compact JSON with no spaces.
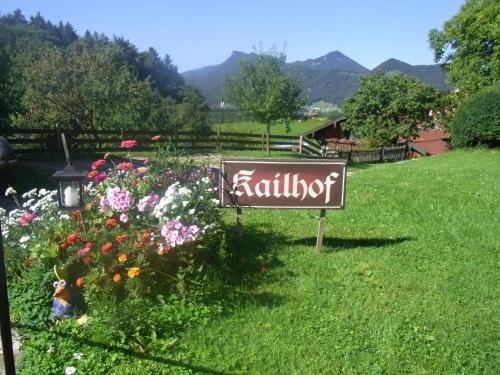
{"x":332,"y":77}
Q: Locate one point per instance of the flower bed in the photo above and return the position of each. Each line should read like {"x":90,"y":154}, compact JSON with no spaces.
{"x":147,"y":236}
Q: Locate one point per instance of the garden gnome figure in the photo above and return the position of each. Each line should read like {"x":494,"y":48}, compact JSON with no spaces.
{"x":61,"y":306}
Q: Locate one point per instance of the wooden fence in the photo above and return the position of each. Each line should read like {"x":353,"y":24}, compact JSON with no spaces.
{"x":32,"y":140}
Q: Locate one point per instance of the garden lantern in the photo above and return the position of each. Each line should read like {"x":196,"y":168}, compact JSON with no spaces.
{"x":70,"y":188}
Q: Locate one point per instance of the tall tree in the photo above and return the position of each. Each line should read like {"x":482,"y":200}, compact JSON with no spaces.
{"x":264,"y":92}
{"x":85,"y":87}
{"x":389,"y":106}
{"x":468,"y":45}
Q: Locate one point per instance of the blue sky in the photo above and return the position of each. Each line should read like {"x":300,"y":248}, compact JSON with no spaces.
{"x":199,"y":33}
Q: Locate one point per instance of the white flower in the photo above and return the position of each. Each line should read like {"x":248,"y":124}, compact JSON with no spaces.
{"x":215,"y":201}
{"x":191,"y":211}
{"x":184,"y":203}
{"x":10,"y":191}
{"x":77,"y":355}
{"x":51,"y":349}
{"x":43,"y":192}
{"x":23,"y":239}
{"x":70,"y":370}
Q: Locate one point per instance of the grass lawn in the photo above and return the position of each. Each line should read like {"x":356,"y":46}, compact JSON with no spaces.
{"x":296,"y":127}
{"x":407,"y":283}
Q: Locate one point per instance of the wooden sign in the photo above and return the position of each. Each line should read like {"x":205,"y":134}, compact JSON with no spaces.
{"x":278,"y":183}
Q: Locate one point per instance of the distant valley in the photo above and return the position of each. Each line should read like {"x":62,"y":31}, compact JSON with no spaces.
{"x":331,"y":78}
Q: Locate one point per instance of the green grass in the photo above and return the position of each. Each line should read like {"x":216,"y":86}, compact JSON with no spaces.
{"x":407,"y":283}
{"x":296,"y":127}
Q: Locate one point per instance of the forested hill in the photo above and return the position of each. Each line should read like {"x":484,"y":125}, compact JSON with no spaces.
{"x":332,"y":77}
{"x":49,"y":75}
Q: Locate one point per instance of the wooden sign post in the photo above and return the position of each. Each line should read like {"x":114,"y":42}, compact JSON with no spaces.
{"x":282,"y":183}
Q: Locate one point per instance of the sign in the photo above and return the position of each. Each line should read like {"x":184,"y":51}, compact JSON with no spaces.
{"x":275,"y":183}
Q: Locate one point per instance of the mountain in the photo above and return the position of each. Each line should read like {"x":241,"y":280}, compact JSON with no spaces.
{"x":432,"y":74}
{"x":332,"y":77}
{"x":335,"y":60}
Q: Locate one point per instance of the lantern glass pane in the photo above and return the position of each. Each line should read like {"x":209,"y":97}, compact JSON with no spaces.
{"x":70,"y":193}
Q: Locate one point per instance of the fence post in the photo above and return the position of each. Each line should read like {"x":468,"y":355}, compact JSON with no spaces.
{"x":301,"y":141}
{"x":58,"y":136}
{"x":382,"y":154}
{"x":349,"y":154}
{"x":263,"y":141}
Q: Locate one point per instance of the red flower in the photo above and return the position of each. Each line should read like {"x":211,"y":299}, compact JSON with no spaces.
{"x":111,"y":223}
{"x":124,"y":166}
{"x":121,"y":238}
{"x":73,"y":238}
{"x":107,"y":248}
{"x":63,"y":246}
{"x":128,"y":144}
{"x":80,"y":281}
{"x":98,"y":163}
{"x":92,"y":174}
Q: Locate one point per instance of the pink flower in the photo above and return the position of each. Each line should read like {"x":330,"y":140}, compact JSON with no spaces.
{"x":176,"y":233}
{"x":146,"y":162}
{"x":124,"y":166}
{"x":123,"y":218}
{"x":118,"y":200}
{"x":128,"y":144}
{"x":100,"y":177}
{"x":83,"y":252}
{"x":148,"y":201}
{"x":98,"y":163}
{"x":28,"y":218}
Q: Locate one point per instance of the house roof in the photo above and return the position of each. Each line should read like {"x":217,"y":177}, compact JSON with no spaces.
{"x":321,"y":127}
{"x":434,"y":141}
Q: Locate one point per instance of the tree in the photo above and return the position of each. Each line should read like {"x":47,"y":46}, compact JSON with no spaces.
{"x":477,"y":121}
{"x":85,"y":87}
{"x":389,"y":106}
{"x":468,"y":46}
{"x":264,"y":92}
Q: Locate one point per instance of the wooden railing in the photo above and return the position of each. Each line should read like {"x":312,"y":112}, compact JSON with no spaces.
{"x":28,"y":140}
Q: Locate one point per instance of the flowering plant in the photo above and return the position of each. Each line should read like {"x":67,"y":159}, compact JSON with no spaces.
{"x":143,"y":223}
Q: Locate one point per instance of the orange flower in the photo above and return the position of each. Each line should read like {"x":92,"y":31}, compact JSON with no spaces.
{"x":111,"y":222}
{"x":86,"y":260}
{"x":75,"y":214}
{"x":29,"y":261}
{"x":73,"y":238}
{"x":162,"y":250}
{"x":107,"y":248}
{"x":133,"y":182}
{"x":141,"y":170}
{"x":133,"y":272}
{"x":80,"y":281}
{"x":92,"y":174}
{"x":90,"y":206}
{"x":145,"y":236}
{"x":88,"y":245}
{"x":117,"y":277}
{"x":122,"y":258}
{"x":156,"y":138}
{"x":63,"y":246}
{"x":121,"y":238}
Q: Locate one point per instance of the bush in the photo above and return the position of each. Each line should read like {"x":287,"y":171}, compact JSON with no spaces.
{"x":477,"y":121}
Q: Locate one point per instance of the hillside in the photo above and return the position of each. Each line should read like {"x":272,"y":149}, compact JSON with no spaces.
{"x":332,"y":77}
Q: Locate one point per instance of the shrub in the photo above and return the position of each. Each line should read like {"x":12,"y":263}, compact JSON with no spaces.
{"x":477,"y":121}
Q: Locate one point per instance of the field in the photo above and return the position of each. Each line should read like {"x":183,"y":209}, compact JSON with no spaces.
{"x":296,"y":127}
{"x":407,"y":283}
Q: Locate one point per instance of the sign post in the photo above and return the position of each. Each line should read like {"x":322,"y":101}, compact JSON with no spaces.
{"x":282,"y":183}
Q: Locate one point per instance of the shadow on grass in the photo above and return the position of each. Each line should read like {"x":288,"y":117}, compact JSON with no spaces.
{"x":250,"y":252}
{"x":340,"y":244}
{"x":132,"y":353}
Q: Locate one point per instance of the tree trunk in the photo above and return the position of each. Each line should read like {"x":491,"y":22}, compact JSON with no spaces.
{"x":268,"y":131}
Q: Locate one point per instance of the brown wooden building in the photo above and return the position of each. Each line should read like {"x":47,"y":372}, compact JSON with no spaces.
{"x":328,"y":132}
